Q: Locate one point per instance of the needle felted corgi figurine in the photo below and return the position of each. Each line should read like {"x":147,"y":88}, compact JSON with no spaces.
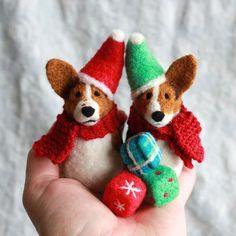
{"x":157,"y":104}
{"x":86,"y":137}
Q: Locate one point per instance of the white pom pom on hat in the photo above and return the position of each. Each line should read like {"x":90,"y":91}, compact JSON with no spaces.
{"x":136,"y":38}
{"x":118,"y":35}
{"x":104,"y":69}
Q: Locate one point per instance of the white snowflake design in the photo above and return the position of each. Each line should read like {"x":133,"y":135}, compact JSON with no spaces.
{"x":130,"y":188}
{"x":119,"y":206}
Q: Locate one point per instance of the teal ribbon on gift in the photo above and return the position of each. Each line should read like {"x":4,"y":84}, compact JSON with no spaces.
{"x":141,"y":154}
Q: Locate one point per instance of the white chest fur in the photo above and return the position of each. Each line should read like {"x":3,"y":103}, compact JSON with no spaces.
{"x":169,"y":158}
{"x":93,"y":162}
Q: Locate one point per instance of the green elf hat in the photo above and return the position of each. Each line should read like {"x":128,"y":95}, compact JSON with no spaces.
{"x":143,"y":70}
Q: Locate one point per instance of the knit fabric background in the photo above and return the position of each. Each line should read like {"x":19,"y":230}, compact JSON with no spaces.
{"x":31,"y":32}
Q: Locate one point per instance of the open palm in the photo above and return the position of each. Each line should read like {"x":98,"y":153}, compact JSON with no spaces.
{"x":59,"y":206}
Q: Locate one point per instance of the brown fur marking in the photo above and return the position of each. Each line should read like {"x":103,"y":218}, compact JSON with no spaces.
{"x":105,"y":104}
{"x":167,"y":99}
{"x":179,"y":77}
{"x":72,"y":100}
{"x":65,"y":82}
{"x":168,"y":105}
{"x":141,"y":102}
{"x":61,"y":76}
{"x":181,"y":73}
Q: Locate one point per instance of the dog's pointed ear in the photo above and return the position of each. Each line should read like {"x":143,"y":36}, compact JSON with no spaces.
{"x":181,"y":73}
{"x":61,"y":76}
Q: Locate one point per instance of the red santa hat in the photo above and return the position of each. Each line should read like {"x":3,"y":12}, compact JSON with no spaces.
{"x":105,"y":68}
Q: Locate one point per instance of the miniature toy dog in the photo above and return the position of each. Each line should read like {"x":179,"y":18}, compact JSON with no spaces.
{"x":157,"y":104}
{"x":86,"y":137}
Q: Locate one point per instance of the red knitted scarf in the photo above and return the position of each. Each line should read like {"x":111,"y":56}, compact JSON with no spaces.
{"x":181,"y":134}
{"x":59,"y":141}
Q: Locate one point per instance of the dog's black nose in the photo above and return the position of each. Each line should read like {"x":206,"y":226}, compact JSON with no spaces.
{"x":158,"y":116}
{"x":88,"y":111}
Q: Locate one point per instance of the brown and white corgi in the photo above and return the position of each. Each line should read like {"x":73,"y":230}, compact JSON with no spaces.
{"x":161,"y":103}
{"x":157,"y":105}
{"x":86,"y":137}
{"x":93,"y":162}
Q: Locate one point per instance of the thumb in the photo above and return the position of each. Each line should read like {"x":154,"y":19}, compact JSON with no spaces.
{"x":39,"y":173}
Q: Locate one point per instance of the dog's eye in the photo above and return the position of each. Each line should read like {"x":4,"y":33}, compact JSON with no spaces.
{"x":96,"y":93}
{"x":167,"y":96}
{"x":148,"y":95}
{"x":78,"y":94}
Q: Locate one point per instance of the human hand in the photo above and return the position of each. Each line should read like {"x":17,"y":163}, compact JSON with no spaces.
{"x":60,"y":206}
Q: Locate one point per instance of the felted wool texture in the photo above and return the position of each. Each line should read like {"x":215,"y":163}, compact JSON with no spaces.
{"x":31,"y":32}
{"x":181,"y":73}
{"x":59,"y":141}
{"x":81,"y":98}
{"x":141,"y":153}
{"x":141,"y":66}
{"x":162,"y":185}
{"x":169,"y":158}
{"x":182,"y":134}
{"x":124,"y":194}
{"x":93,"y":162}
{"x":170,"y":105}
{"x":105,"y":68}
{"x":61,"y":76}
